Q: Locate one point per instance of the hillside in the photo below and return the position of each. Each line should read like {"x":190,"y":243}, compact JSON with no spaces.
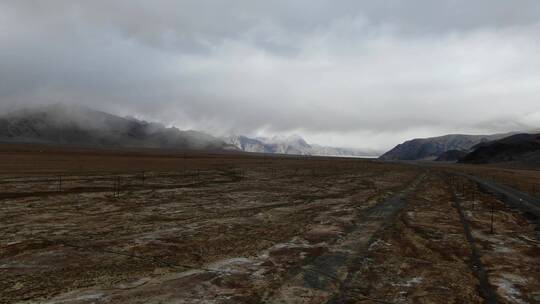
{"x":523,"y":148}
{"x":432,"y":147}
{"x":281,"y":145}
{"x":77,"y":125}
{"x":451,"y":156}
{"x":289,"y":145}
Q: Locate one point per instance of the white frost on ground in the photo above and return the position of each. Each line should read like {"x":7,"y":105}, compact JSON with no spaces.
{"x":85,"y":297}
{"x":506,"y":287}
{"x":377,"y":244}
{"x":411,"y":282}
{"x":232,"y":265}
{"x":502,"y":249}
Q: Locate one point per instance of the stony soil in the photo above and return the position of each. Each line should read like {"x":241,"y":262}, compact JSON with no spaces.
{"x":96,"y":245}
{"x":245,"y":229}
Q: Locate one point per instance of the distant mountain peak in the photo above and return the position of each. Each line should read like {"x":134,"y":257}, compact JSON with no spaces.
{"x":293,"y":144}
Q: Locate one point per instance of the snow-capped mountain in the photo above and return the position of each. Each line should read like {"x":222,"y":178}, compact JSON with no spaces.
{"x":290,"y":145}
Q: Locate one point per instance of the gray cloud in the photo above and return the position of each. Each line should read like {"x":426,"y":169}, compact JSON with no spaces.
{"x":353,"y":73}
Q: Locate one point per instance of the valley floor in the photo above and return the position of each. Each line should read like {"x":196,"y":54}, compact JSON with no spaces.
{"x":246,"y":229}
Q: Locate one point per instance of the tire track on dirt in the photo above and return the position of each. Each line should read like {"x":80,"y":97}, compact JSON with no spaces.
{"x":485,"y":288}
{"x":326,"y":277}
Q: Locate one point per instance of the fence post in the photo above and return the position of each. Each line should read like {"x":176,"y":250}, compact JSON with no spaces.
{"x":474,"y":197}
{"x":184,"y":163}
{"x":492,"y":207}
{"x":117,"y":187}
{"x":60,"y":183}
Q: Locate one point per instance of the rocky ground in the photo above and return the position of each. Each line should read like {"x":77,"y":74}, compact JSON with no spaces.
{"x":425,"y":257}
{"x":212,"y":235}
{"x":265,"y":231}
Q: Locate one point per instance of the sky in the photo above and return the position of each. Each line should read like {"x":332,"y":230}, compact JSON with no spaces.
{"x":350,"y":73}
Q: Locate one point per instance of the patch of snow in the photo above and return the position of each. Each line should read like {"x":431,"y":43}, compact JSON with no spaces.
{"x":514,"y":278}
{"x":502,"y":249}
{"x":133,"y":284}
{"x":411,"y":282}
{"x":506,"y":286}
{"x":85,"y":297}
{"x":231,"y":265}
{"x":378,"y":243}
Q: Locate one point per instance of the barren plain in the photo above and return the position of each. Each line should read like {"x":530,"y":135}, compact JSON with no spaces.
{"x":87,"y":226}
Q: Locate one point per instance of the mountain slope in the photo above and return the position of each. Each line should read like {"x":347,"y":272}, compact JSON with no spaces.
{"x":63,"y":124}
{"x":433,"y":147}
{"x":289,"y":145}
{"x":247,"y":144}
{"x":519,"y":147}
{"x":451,"y":156}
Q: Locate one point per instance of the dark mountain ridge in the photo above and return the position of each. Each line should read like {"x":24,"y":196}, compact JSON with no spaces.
{"x":522,"y":147}
{"x":432,"y":147}
{"x":78,"y":125}
{"x":451,"y":156}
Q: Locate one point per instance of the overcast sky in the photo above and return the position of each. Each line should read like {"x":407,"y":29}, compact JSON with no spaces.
{"x":366,"y":74}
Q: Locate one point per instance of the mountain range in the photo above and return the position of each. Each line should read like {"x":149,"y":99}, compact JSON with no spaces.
{"x":523,"y":148}
{"x":79,"y":125}
{"x":433,"y":147}
{"x":290,"y":145}
{"x":517,"y":149}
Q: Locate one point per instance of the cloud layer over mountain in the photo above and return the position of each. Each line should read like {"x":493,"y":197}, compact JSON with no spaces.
{"x":365,"y":74}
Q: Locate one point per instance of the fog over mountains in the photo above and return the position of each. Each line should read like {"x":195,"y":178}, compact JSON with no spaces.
{"x":362,"y":74}
{"x":291,"y":145}
{"x":79,"y":125}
